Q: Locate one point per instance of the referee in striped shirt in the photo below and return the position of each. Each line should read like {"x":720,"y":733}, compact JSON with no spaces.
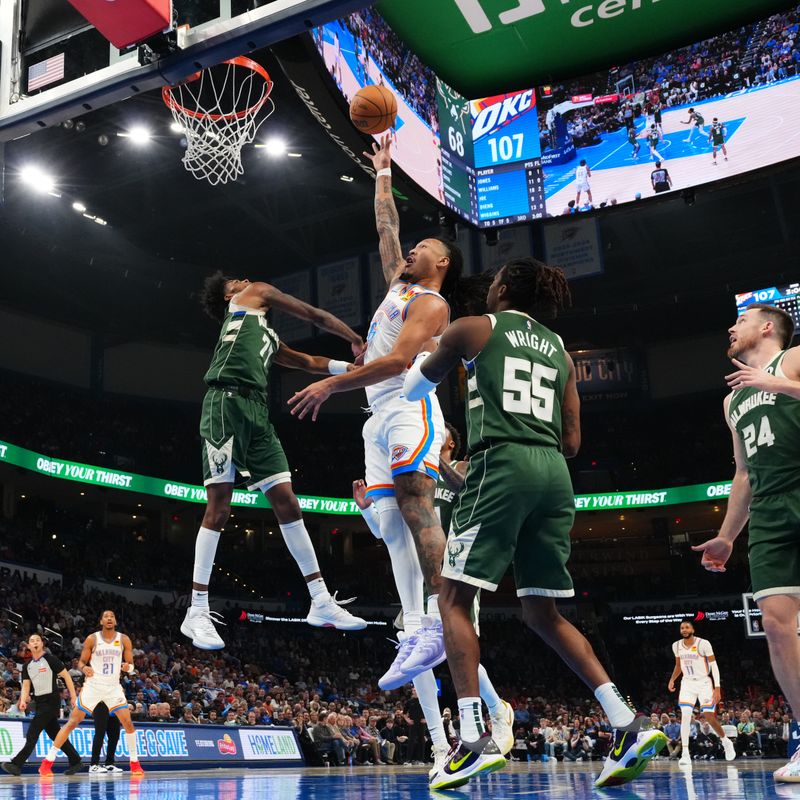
{"x":39,"y":679}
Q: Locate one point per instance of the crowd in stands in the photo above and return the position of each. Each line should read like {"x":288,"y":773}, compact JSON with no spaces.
{"x":324,"y":683}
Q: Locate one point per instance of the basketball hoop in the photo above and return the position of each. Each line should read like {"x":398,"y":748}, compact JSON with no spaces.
{"x":217,"y":110}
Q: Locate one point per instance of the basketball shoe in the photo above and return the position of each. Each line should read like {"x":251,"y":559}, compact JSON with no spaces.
{"x":394,"y":677}
{"x":428,"y":651}
{"x":198,"y":625}
{"x":629,"y":756}
{"x":329,"y":613}
{"x":467,"y":760}
{"x":503,"y":728}
{"x":789,"y":772}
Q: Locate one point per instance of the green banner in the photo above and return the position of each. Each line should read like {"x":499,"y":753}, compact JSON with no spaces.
{"x":485,"y":47}
{"x":131,"y":482}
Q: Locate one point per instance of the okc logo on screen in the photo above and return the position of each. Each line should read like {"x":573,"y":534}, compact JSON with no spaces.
{"x":493,"y":113}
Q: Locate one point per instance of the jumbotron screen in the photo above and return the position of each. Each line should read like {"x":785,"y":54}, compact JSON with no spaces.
{"x":718,"y":108}
{"x":785,"y":297}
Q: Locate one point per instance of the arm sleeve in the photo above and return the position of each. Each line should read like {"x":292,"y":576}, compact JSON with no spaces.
{"x":715,"y":672}
{"x":373,"y":520}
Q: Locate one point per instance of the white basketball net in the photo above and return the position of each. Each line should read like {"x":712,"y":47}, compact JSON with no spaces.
{"x":217,"y":109}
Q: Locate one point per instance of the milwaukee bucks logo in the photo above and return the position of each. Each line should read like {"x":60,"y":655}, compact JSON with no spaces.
{"x":220,"y":460}
{"x":454,"y":550}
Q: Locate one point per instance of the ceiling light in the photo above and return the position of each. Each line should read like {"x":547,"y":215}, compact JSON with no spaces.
{"x":37,"y":179}
{"x":295,"y":155}
{"x":79,"y":207}
{"x":346,"y":178}
{"x":138,"y":135}
{"x":275,"y":146}
{"x":100,"y":221}
{"x":89,"y":216}
{"x":176,"y":127}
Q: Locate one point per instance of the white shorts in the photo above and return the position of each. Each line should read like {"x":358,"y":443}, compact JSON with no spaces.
{"x":401,"y":437}
{"x":93,"y":693}
{"x":582,"y":187}
{"x":693,"y":691}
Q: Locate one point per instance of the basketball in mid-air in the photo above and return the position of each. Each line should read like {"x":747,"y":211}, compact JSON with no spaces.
{"x":373,"y":109}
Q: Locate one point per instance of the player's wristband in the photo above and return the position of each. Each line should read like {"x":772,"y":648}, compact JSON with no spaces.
{"x":337,"y":367}
{"x":386,"y":172}
{"x":416,"y":385}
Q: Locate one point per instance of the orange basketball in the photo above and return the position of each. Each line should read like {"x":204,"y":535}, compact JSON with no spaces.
{"x":374,"y":109}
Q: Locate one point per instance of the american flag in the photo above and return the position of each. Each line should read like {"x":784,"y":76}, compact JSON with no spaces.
{"x":45,"y":72}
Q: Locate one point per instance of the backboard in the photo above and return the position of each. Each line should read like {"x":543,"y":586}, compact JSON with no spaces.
{"x":54,"y":65}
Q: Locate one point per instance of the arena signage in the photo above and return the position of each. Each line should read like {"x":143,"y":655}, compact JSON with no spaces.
{"x":130,"y":481}
{"x":171,"y":744}
{"x":483,"y":47}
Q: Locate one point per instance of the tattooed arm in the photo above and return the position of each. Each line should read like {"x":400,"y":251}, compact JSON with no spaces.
{"x":453,"y":476}
{"x":387,"y":219}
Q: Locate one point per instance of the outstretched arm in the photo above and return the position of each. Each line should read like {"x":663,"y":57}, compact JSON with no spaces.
{"x":387,"y":219}
{"x":718,"y":550}
{"x":316,"y":365}
{"x":464,"y":339}
{"x":756,"y":378}
{"x":270,"y":296}
{"x":426,"y":317}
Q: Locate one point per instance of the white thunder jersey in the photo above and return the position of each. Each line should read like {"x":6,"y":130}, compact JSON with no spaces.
{"x":694,"y":659}
{"x":106,"y":659}
{"x":384,"y":330}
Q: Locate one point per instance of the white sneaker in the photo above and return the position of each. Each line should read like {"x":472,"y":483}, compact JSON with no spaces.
{"x":113,"y":769}
{"x":730,"y":750}
{"x":439,"y":754}
{"x":198,"y":625}
{"x":428,"y":649}
{"x":96,"y":769}
{"x":394,"y":677}
{"x":503,"y":728}
{"x":789,"y":772}
{"x":685,"y":760}
{"x":330,"y":614}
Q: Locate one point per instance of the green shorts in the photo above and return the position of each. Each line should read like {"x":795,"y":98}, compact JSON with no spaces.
{"x":775,"y":544}
{"x":238,"y":437}
{"x":517,"y":506}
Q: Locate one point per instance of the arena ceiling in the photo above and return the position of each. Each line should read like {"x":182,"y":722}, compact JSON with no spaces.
{"x":670,"y":266}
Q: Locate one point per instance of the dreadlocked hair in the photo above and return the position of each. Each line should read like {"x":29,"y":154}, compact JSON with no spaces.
{"x":469,"y":297}
{"x":454,"y":270}
{"x":534,"y":287}
{"x":212,"y":295}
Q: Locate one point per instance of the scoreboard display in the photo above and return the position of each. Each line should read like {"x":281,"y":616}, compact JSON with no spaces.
{"x":491,"y":157}
{"x":785,"y":297}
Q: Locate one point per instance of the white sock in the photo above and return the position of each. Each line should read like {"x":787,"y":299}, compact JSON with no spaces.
{"x":488,"y":693}
{"x":725,"y":738}
{"x":433,"y":607}
{"x":686,"y":726}
{"x":52,"y":753}
{"x":619,"y":713}
{"x":427,"y":692}
{"x":469,"y":711}
{"x":299,"y":543}
{"x":318,"y":590}
{"x":205,"y":548}
{"x":405,"y":562}
{"x":130,"y":738}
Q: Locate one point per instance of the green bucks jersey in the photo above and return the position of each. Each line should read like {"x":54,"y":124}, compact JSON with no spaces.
{"x":244,"y":351}
{"x":768,"y":425}
{"x":445,"y":500}
{"x":515,"y":385}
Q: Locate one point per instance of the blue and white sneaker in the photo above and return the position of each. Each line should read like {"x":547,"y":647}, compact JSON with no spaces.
{"x":629,"y":756}
{"x":467,"y":760}
{"x":395,"y":677}
{"x":428,"y":649}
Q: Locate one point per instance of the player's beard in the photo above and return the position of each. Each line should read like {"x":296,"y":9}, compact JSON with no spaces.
{"x":405,"y":275}
{"x":740,"y":347}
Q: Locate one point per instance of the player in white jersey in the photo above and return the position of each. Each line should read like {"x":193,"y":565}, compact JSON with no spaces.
{"x":700,"y":682}
{"x":402,"y":440}
{"x":105,"y":655}
{"x":582,"y":174}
